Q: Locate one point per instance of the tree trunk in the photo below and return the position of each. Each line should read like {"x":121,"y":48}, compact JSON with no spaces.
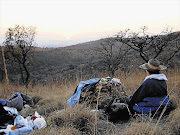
{"x":27,"y":74}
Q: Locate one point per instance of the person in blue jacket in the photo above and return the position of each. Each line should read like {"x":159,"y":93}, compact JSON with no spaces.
{"x":151,"y":96}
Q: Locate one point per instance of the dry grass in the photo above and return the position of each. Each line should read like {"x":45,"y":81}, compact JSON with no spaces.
{"x":132,"y":80}
{"x":79,"y":120}
{"x":143,"y":129}
{"x":174,"y":121}
{"x":78,"y":117}
{"x":82,"y":119}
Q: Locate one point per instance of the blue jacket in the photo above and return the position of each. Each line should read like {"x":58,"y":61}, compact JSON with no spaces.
{"x":82,"y":86}
{"x":150,"y":95}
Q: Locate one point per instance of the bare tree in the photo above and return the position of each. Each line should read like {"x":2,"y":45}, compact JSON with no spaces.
{"x":112,"y":54}
{"x":19,"y":44}
{"x":151,"y":46}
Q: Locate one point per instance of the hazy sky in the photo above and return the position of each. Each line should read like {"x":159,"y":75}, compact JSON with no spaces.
{"x":67,"y":22}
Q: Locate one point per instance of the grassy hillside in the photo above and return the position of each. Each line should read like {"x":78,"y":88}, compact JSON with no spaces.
{"x":65,"y":62}
{"x":62,"y":119}
{"x":81,"y":60}
{"x":76,"y":61}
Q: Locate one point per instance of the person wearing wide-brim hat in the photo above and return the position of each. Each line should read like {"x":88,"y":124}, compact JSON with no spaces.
{"x":152,"y":93}
{"x":153,"y":65}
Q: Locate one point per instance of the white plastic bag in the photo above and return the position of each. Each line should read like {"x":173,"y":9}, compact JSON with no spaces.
{"x":39,"y":123}
{"x":37,"y":114}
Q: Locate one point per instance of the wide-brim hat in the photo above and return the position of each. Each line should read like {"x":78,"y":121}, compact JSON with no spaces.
{"x":153,"y":64}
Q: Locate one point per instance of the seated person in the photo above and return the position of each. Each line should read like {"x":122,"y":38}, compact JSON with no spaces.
{"x":151,"y":96}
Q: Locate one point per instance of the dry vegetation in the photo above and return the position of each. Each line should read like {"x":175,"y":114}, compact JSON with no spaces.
{"x":64,"y":120}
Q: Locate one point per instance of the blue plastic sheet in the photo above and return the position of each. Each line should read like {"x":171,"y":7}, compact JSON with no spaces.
{"x":151,"y":104}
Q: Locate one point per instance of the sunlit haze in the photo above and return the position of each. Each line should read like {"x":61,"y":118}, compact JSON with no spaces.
{"x":68,"y":22}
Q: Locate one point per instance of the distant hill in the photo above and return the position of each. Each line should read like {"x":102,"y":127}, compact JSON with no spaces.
{"x":64,"y":61}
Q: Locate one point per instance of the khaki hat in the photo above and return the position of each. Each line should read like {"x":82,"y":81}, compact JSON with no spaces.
{"x":153,"y":64}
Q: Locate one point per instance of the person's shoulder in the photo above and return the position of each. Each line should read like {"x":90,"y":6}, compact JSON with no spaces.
{"x":149,"y":81}
{"x":152,"y":81}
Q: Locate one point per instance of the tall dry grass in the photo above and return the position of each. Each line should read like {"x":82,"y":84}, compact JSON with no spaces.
{"x":6,"y":88}
{"x":78,"y":120}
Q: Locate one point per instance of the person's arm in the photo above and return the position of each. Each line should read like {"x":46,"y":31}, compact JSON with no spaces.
{"x":141,"y":93}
